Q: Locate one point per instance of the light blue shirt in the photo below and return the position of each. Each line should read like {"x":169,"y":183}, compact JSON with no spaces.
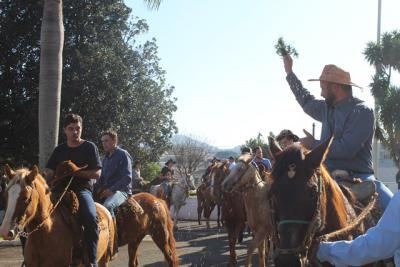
{"x":379,"y":242}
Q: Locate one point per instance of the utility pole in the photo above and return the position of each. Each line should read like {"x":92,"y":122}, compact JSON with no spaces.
{"x":375,"y":144}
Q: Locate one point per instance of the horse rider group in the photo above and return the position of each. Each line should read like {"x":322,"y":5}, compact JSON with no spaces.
{"x":113,"y":175}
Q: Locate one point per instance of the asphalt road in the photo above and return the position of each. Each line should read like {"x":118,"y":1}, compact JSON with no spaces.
{"x":196,"y":246}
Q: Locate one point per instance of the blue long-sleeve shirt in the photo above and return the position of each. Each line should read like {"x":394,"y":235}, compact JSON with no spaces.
{"x":379,"y":242}
{"x":350,"y":121}
{"x":116,"y":174}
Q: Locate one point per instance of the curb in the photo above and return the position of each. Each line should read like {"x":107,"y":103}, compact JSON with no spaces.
{"x":11,"y":243}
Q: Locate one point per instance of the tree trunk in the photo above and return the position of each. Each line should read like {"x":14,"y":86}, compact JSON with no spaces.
{"x":51,"y":45}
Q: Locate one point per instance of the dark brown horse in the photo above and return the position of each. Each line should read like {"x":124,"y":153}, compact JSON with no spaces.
{"x":207,"y":201}
{"x":232,"y":208}
{"x":305,"y":202}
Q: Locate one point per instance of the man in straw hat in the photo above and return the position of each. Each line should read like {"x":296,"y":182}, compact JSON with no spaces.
{"x":81,"y":153}
{"x":345,"y":117}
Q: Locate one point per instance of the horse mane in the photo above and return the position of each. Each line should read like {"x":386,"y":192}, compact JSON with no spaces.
{"x":335,"y":195}
{"x":19,"y":177}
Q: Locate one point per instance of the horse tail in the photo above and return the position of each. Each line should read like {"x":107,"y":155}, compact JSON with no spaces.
{"x":170,"y":237}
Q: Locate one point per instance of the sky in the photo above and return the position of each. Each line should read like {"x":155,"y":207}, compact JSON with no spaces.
{"x":230,"y":83}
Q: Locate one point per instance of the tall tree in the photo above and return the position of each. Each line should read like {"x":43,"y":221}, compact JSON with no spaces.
{"x":189,"y":153}
{"x":109,"y":78}
{"x":52,"y":41}
{"x":386,"y":57}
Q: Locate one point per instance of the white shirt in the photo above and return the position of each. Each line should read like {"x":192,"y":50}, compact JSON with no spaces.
{"x":379,"y":242}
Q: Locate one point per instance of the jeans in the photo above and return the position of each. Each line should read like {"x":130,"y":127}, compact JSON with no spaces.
{"x":112,"y":202}
{"x":166,"y":188}
{"x":384,"y":193}
{"x":88,"y":218}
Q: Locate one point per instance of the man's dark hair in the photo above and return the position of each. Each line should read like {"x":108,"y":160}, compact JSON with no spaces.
{"x":246,"y":150}
{"x":71,"y":118}
{"x":137,"y":162}
{"x":165,"y":170}
{"x":256,"y":148}
{"x":112,"y":134}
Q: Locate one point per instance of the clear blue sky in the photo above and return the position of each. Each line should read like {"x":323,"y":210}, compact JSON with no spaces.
{"x":230,"y":83}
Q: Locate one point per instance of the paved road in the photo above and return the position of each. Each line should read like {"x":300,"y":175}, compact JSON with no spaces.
{"x":196,"y":246}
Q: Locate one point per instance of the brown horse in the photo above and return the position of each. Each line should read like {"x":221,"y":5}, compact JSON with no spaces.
{"x":306,"y":203}
{"x":206,"y":201}
{"x":50,"y":239}
{"x":153,"y":220}
{"x":245,"y":177}
{"x":232,"y":208}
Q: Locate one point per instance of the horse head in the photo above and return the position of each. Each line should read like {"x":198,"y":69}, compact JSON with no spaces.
{"x":189,"y":182}
{"x":23,"y":198}
{"x":297,"y":201}
{"x":244,"y":174}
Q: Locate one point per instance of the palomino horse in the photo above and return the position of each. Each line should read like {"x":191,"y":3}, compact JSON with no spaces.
{"x":306,"y":203}
{"x":232,"y":207}
{"x":154,"y":220}
{"x":50,"y":239}
{"x":245,"y":177}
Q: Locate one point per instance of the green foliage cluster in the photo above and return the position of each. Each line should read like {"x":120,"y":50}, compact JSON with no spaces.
{"x":150,"y":171}
{"x":283,"y":49}
{"x":385,"y":56}
{"x":111,"y":78}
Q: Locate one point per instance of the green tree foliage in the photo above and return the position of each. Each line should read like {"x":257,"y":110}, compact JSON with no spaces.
{"x":110,"y":78}
{"x":150,"y":171}
{"x":258,"y":141}
{"x":385,"y":56}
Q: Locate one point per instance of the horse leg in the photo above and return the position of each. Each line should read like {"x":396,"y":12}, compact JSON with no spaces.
{"x":261,"y":253}
{"x":232,"y":245}
{"x":132,"y":251}
{"x":218,"y":215}
{"x":176,"y":213}
{"x":259,"y":236}
{"x":163,"y":240}
{"x":199,"y":208}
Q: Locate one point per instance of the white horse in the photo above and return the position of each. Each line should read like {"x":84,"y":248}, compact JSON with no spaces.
{"x":180,"y":192}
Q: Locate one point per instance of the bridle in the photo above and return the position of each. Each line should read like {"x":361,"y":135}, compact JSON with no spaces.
{"x":27,"y":202}
{"x":314,"y":225}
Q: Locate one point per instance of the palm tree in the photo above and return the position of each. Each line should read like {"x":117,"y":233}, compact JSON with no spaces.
{"x":50,"y":77}
{"x":386,"y":57}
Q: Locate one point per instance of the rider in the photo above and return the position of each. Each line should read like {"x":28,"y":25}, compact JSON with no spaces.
{"x":137,"y":180}
{"x":262,"y":163}
{"x":345,"y":117}
{"x":116,"y":176}
{"x":80,"y":152}
{"x":286,"y":138}
{"x":205,"y":178}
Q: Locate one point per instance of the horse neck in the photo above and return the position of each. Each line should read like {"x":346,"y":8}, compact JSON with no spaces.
{"x":334,"y":202}
{"x":255,"y":185}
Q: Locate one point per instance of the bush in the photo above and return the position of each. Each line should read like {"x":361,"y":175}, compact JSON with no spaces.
{"x":150,"y":170}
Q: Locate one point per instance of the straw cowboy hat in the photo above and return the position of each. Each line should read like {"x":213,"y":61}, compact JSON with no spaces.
{"x":67,"y":168}
{"x":334,"y":74}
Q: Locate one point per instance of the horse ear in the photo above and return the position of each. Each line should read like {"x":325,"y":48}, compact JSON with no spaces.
{"x":318,"y":154}
{"x":274,"y":147}
{"x":9,"y":172}
{"x":32,"y":175}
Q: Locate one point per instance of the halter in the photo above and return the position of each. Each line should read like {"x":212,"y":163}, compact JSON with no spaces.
{"x":313,"y":226}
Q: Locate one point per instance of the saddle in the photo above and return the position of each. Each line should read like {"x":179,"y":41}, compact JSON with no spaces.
{"x":362,"y":190}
